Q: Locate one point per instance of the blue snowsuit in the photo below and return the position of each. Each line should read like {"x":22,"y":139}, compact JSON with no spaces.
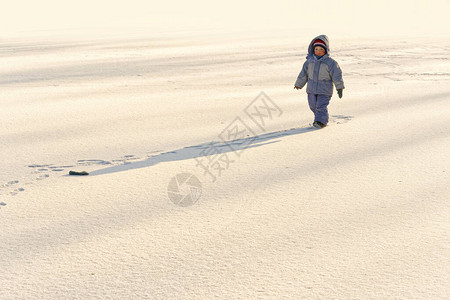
{"x":320,"y":74}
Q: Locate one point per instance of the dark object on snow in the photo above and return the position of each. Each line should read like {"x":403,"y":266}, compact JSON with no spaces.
{"x":318,"y":124}
{"x":83,"y":173}
{"x":340,"y":93}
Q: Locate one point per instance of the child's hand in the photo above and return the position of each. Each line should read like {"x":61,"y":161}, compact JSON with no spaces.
{"x":297,"y":88}
{"x":339,"y":93}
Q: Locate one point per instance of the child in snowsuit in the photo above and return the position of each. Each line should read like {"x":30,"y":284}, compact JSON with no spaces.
{"x":320,"y":71}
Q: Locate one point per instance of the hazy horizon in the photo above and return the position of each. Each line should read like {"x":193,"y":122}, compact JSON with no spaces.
{"x":348,"y":17}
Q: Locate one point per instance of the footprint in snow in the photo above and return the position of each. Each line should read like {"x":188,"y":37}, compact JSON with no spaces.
{"x":90,"y":162}
{"x":11,"y":183}
{"x":16,"y":191}
{"x":11,"y":188}
{"x":340,"y":119}
{"x":38,"y":166}
{"x":42,"y":176}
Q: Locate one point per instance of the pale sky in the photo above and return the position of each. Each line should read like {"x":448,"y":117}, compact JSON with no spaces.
{"x":413,"y":17}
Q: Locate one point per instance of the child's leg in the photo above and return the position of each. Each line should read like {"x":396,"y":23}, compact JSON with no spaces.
{"x":321,"y":112}
{"x":312,"y":101}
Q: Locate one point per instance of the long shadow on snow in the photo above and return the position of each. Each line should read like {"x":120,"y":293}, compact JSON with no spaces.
{"x":237,"y":146}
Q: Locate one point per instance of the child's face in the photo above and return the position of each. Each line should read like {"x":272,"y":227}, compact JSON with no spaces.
{"x":319,"y":51}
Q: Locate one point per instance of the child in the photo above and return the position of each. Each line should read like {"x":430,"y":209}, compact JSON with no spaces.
{"x":320,"y":71}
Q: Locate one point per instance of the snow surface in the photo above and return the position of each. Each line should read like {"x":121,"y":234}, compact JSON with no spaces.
{"x":357,"y":210}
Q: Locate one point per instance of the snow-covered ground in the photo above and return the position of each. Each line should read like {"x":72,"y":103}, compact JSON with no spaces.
{"x":357,"y":210}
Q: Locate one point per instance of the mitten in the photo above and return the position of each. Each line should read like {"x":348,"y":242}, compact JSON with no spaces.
{"x":339,"y":93}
